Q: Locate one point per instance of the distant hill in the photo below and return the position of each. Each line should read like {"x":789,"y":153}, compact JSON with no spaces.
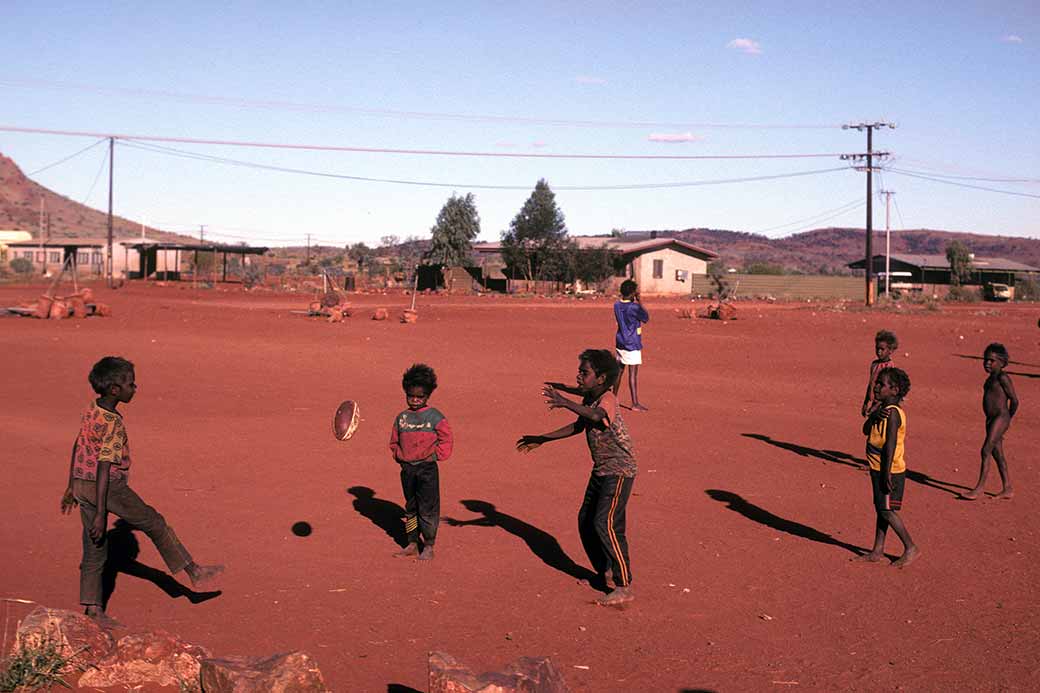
{"x":20,"y":211}
{"x":827,"y":251}
{"x":824,"y":251}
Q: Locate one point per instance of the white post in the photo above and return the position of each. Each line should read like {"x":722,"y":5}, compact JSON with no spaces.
{"x":888,"y":239}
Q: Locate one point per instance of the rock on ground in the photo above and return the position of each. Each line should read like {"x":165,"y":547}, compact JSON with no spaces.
{"x":77,"y":637}
{"x":151,"y":657}
{"x":295,"y":672}
{"x":525,"y":675}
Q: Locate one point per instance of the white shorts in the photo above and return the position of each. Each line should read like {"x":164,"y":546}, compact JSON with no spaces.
{"x":630,"y":358}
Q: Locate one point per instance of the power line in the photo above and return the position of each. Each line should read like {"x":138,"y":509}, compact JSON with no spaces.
{"x":62,"y":161}
{"x":416,"y":152}
{"x":834,"y":212}
{"x":97,"y":177}
{"x":422,"y":115}
{"x":475,"y":186}
{"x":902,"y":172}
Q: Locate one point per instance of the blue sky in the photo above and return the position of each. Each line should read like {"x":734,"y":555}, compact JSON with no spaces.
{"x":960,"y":80}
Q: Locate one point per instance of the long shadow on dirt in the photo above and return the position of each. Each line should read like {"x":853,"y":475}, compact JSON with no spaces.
{"x":386,"y":515}
{"x":400,"y":688}
{"x":542,"y":544}
{"x":1017,"y":363}
{"x":123,"y":549}
{"x":762,"y":516}
{"x":839,"y":457}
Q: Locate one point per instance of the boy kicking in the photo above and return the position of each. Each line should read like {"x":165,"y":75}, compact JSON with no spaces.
{"x":98,"y":484}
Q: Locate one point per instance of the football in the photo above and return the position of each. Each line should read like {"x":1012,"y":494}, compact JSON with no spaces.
{"x":345,"y":422}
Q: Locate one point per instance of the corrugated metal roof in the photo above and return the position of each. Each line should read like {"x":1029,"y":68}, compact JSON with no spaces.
{"x":997,"y":264}
{"x":622,"y":246}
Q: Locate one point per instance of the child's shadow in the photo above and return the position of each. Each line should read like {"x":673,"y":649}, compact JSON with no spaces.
{"x":751,"y":511}
{"x":839,"y":457}
{"x":386,"y":515}
{"x":123,"y":550}
{"x":542,"y":544}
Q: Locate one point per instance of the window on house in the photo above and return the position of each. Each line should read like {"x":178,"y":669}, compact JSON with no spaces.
{"x":28,"y":255}
{"x":658,"y":269}
{"x":681,"y":275}
{"x":40,"y":255}
{"x":54,"y":257}
{"x":95,"y":258}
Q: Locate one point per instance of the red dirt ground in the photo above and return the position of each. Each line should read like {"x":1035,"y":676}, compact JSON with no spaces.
{"x":746,"y":508}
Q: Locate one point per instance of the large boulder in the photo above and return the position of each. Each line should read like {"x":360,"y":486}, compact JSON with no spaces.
{"x":155,"y":657}
{"x":525,"y":675}
{"x":295,"y":672}
{"x":77,"y":637}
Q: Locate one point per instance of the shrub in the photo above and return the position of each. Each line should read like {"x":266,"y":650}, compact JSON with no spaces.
{"x":21,"y":265}
{"x":1027,"y":289}
{"x":965,"y":294}
{"x":36,"y":667}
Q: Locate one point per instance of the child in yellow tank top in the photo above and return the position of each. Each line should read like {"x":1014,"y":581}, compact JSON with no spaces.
{"x":885,"y":429}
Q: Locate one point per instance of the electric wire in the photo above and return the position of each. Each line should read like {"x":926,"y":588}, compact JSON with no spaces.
{"x":902,"y":172}
{"x":97,"y":177}
{"x":473,"y":186}
{"x":847,"y":207}
{"x":975,"y":178}
{"x":62,"y":161}
{"x":421,"y":115}
{"x":416,"y":152}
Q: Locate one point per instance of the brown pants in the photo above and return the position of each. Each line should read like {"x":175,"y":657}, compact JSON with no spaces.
{"x":124,"y":503}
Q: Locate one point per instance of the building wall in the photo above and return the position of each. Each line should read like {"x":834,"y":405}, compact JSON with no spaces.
{"x":671,"y":261}
{"x":90,"y":261}
{"x":786,"y":286}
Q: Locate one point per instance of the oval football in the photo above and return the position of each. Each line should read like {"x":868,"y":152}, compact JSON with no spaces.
{"x":345,"y":422}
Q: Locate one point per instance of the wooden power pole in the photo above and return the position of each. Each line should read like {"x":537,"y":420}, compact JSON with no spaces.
{"x":868,"y":156}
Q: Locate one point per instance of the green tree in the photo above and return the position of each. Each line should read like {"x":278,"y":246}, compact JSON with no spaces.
{"x":537,"y":237}
{"x":594,"y":265}
{"x":960,"y":263}
{"x":457,"y":226}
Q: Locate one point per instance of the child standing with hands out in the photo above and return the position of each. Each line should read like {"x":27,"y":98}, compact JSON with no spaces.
{"x":885,"y":429}
{"x":98,"y":476}
{"x":885,"y":343}
{"x":630,"y":316}
{"x":999,"y":403}
{"x":601,"y":519}
{"x":419,"y":439}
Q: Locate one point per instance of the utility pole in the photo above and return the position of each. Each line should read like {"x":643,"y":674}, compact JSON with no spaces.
{"x":888,"y":238}
{"x":869,"y":168}
{"x":308,"y":261}
{"x":111,"y":165}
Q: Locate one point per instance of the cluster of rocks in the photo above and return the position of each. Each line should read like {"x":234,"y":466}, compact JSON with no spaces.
{"x":155,"y":658}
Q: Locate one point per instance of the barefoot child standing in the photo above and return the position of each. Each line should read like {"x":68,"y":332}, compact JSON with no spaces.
{"x":999,"y":403}
{"x":630,"y":316}
{"x":419,"y":439}
{"x":885,"y":429}
{"x":98,"y":476}
{"x":601,"y":519}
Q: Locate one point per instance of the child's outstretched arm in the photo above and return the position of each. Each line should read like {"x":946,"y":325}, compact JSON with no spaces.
{"x":558,"y":401}
{"x":569,"y":389}
{"x":1009,"y":391}
{"x":529,"y":443}
{"x":68,"y":500}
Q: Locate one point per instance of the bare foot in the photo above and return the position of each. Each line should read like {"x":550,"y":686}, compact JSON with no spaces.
{"x":617,"y":598}
{"x":639,"y":407}
{"x":868,"y":558}
{"x":1006,"y":494}
{"x":410,"y":550}
{"x":103,"y":619}
{"x":427,"y":553}
{"x":908,"y":557}
{"x":201,"y":575}
{"x":972,"y":494}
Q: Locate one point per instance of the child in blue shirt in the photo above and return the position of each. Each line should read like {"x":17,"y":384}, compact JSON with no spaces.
{"x":631,"y":316}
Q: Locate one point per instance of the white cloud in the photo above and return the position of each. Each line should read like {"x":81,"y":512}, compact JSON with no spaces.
{"x":1012,"y":38}
{"x":590,"y":79}
{"x":673,"y":137}
{"x":745,"y":45}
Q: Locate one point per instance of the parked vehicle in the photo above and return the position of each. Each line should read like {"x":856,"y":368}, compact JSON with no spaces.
{"x":996,"y":292}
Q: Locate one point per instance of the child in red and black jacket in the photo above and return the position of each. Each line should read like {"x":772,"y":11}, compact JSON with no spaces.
{"x":419,"y":439}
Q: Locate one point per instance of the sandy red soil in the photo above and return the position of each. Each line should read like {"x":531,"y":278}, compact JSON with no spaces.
{"x":748,"y":506}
